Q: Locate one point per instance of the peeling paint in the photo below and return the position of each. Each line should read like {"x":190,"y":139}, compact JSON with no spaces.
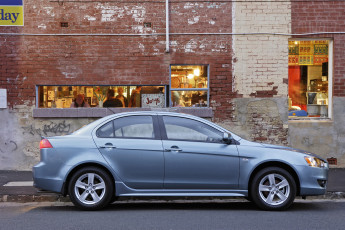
{"x":193,"y":5}
{"x":49,"y":11}
{"x":188,"y":5}
{"x":194,"y":20}
{"x":90,"y":18}
{"x":214,"y":5}
{"x":111,"y":13}
{"x":138,"y":29}
{"x":192,"y":44}
{"x":69,"y":75}
{"x":173,"y":43}
{"x":220,"y":48}
{"x":142,"y":47}
{"x":42,"y":26}
{"x":212,"y":22}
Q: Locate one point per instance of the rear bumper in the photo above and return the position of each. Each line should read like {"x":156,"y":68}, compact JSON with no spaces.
{"x":44,"y":181}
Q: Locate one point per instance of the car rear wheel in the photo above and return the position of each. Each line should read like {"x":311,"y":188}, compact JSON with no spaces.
{"x":91,"y":188}
{"x":273,"y":188}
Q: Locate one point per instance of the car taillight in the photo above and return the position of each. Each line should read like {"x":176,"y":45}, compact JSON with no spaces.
{"x":45,"y":144}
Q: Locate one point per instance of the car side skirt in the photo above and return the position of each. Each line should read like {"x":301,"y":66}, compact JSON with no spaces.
{"x":123,"y":190}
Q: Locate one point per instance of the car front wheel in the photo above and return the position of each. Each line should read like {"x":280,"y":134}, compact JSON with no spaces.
{"x":273,"y":188}
{"x":91,"y":188}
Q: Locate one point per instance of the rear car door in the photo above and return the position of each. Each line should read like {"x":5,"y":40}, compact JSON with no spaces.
{"x":133,"y":148}
{"x":196,"y":157}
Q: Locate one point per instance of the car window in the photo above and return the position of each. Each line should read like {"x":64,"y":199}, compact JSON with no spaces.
{"x":106,"y":131}
{"x":134,"y":127}
{"x":178,"y":128}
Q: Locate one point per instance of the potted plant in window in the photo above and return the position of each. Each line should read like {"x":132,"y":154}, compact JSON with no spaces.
{"x":100,"y":94}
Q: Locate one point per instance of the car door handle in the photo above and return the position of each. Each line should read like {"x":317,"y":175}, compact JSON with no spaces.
{"x":173,"y":148}
{"x":108,"y":145}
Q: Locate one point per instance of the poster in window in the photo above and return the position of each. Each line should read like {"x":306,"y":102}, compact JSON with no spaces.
{"x":319,"y":59}
{"x":89,"y":92}
{"x":293,"y":59}
{"x":306,"y":59}
{"x":51,"y":95}
{"x":152,"y":100}
{"x":306,"y":48}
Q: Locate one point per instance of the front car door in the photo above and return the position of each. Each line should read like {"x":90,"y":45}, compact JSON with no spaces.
{"x":196,"y":157}
{"x":133,"y":148}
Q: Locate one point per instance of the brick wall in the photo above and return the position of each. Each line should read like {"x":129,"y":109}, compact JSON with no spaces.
{"x":260,"y":61}
{"x":30,"y":60}
{"x":27,"y":61}
{"x":324,"y":16}
{"x":260,"y":72}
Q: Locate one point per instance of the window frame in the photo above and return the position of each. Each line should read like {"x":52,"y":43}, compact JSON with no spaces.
{"x":37,"y":93}
{"x":330,"y":79}
{"x":104,"y":124}
{"x":164,"y":134}
{"x":155,"y":126}
{"x":190,"y":89}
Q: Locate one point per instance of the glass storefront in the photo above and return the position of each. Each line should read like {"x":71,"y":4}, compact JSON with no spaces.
{"x":308,"y":78}
{"x":97,"y":96}
{"x":189,"y":87}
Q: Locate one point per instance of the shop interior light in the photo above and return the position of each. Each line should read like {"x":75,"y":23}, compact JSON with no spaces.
{"x":190,"y":76}
{"x":296,"y":42}
{"x":197,"y":72}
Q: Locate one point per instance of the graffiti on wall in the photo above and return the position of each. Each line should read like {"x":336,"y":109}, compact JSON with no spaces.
{"x":52,"y":128}
{"x":9,"y":146}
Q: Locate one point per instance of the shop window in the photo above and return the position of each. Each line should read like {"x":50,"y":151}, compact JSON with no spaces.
{"x":310,"y":78}
{"x":189,"y":86}
{"x":96,"y":96}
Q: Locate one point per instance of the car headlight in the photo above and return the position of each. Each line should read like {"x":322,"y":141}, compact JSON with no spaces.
{"x":315,"y":162}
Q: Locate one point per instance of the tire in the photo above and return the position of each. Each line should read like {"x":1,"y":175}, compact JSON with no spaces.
{"x":273,"y":188}
{"x":91,"y":188}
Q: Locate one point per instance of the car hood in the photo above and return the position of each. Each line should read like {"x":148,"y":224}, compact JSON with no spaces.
{"x":291,"y":149}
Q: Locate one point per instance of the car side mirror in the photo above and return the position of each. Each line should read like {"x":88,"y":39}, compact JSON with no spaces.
{"x":227,"y":139}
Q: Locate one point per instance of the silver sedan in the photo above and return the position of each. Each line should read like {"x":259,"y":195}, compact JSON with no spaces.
{"x":170,"y":154}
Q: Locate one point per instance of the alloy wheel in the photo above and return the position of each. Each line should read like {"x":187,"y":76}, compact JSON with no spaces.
{"x":90,"y":188}
{"x":274,"y":189}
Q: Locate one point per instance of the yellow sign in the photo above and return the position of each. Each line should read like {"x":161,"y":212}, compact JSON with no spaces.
{"x":11,"y":13}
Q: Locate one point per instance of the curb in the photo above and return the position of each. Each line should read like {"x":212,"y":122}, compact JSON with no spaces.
{"x":60,"y":198}
{"x":33,"y":198}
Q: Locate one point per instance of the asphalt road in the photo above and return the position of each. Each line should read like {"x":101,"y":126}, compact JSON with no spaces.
{"x":316,"y":214}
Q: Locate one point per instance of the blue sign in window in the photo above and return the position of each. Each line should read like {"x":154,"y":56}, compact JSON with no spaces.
{"x":11,"y":2}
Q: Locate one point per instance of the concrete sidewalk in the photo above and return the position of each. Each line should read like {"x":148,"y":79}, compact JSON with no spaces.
{"x":16,"y":186}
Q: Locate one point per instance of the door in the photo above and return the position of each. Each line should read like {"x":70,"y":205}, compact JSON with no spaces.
{"x":195,"y":157}
{"x":132,"y":147}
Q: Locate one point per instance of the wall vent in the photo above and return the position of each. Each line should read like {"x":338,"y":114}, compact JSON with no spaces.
{"x":332,"y":161}
{"x":64,"y":24}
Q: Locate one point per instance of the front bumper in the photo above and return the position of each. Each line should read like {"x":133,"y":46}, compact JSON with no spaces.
{"x":313,"y":181}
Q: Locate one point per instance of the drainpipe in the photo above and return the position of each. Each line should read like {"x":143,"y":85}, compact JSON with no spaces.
{"x":167,"y":26}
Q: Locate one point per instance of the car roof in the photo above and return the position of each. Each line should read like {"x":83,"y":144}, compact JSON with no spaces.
{"x":86,"y":130}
